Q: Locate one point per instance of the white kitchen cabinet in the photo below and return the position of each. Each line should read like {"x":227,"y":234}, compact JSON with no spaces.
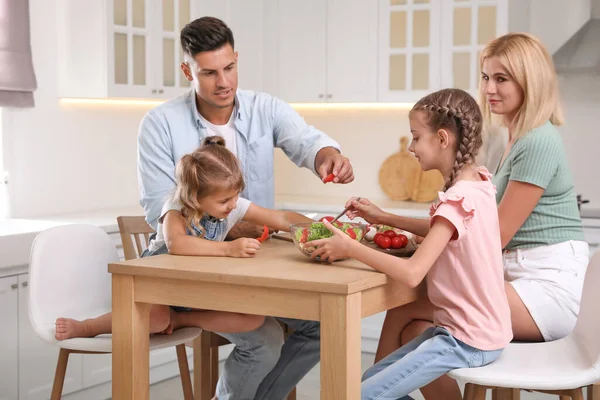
{"x":121,"y":48}
{"x":37,"y":358}
{"x":326,"y":50}
{"x":254,"y":31}
{"x":427,"y":45}
{"x":409,"y":49}
{"x":592,"y":236}
{"x":467,"y":28}
{"x":9,"y":353}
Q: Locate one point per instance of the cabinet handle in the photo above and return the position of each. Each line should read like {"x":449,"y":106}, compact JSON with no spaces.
{"x":329,"y":95}
{"x":153,"y":91}
{"x":25,"y":284}
{"x":161,"y":91}
{"x":320,"y":95}
{"x":14,"y":286}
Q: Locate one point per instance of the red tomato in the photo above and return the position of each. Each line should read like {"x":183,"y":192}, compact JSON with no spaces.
{"x":389,"y":233}
{"x":328,"y":218}
{"x":351,"y":233}
{"x":396,"y":242}
{"x":328,"y":178}
{"x":403,"y":240}
{"x":384,"y":242}
{"x":304,"y":236}
{"x":376,"y":238}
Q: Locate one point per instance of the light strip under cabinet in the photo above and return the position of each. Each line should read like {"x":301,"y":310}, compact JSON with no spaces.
{"x":297,"y":106}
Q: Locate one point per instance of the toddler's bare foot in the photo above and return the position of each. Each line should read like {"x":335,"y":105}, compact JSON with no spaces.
{"x":67,"y":328}
{"x":173,"y":324}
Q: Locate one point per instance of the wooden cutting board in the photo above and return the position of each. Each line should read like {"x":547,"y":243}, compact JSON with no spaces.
{"x":402,"y":178}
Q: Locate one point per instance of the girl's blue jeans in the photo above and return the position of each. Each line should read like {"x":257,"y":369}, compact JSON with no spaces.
{"x":419,"y":362}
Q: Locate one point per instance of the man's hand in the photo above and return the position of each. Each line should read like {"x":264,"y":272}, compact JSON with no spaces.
{"x":330,"y":161}
{"x":245,"y":229}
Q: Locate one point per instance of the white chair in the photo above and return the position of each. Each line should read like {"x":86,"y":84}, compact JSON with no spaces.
{"x":68,"y":277}
{"x":561,"y":367}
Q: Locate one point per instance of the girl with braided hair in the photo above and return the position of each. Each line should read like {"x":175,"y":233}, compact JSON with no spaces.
{"x":460,"y":257}
{"x":545,"y":256}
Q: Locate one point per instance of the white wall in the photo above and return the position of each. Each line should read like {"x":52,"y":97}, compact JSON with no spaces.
{"x":555,"y":21}
{"x":519,"y":18}
{"x":75,"y":158}
{"x":367,"y":137}
{"x":580,"y":133}
{"x":596,"y":9}
{"x":66,"y":158}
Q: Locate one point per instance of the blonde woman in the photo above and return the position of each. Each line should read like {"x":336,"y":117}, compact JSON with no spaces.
{"x":544,"y":252}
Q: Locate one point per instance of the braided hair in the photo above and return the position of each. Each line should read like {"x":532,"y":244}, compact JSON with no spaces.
{"x":456,"y":111}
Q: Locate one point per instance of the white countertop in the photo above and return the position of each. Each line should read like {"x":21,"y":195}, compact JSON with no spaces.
{"x":17,"y":234}
{"x":336,"y":205}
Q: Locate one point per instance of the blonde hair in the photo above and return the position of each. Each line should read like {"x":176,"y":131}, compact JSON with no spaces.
{"x":529,"y":64}
{"x":211,"y":167}
{"x":456,"y":111}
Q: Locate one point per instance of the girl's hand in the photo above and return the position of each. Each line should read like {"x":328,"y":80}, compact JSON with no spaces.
{"x":334,"y":248}
{"x":243,"y":247}
{"x":366,"y":210}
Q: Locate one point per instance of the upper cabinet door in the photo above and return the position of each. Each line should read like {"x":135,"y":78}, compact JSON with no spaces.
{"x":409,"y":49}
{"x":172,"y":15}
{"x":352,"y":51}
{"x":468,"y":27}
{"x":302,"y":50}
{"x":130,"y":70}
{"x":254,"y":28}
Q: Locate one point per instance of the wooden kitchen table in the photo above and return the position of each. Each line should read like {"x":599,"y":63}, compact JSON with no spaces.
{"x":279,"y":281}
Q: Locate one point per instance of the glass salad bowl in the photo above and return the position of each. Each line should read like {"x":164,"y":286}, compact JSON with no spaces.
{"x":304,"y":233}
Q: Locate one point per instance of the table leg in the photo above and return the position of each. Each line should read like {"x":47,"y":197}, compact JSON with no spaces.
{"x":340,"y":346}
{"x":130,"y":342}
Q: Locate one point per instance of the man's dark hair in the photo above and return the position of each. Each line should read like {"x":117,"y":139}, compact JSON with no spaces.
{"x":205,"y":34}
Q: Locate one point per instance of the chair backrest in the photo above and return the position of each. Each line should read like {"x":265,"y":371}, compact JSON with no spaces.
{"x":586,"y":333}
{"x":68,"y":275}
{"x":134,"y":230}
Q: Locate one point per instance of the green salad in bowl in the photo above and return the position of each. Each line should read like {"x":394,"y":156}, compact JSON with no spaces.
{"x":306,"y":232}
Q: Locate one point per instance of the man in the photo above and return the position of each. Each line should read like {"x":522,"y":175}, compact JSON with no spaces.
{"x":261,"y":365}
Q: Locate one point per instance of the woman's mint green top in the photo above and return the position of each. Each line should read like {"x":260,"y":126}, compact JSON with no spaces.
{"x":539,"y":158}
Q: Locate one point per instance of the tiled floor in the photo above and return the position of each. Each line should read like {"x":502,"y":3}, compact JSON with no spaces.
{"x":308,"y":388}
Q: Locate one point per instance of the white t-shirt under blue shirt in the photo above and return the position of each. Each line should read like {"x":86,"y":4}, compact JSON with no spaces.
{"x":213,"y":228}
{"x":226,"y":131}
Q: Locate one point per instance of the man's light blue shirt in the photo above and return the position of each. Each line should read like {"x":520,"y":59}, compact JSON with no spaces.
{"x":263,"y":122}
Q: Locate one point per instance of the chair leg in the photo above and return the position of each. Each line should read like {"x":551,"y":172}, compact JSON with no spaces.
{"x":202,"y":363}
{"x":577,"y":394}
{"x":292,"y":395}
{"x":593,"y":392}
{"x":59,"y":374}
{"x":184,"y":372}
{"x":474,"y":392}
{"x":214,"y":369}
{"x":506,"y":394}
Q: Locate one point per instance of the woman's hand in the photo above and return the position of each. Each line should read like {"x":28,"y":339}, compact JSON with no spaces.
{"x":243,"y":248}
{"x":366,"y":210}
{"x":334,"y":248}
